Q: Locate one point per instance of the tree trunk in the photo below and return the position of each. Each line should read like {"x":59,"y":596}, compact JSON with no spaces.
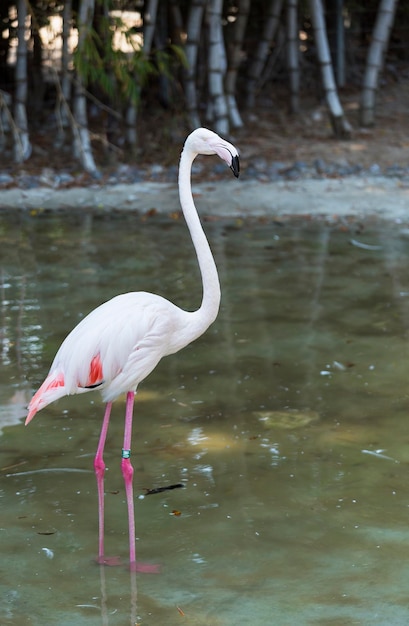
{"x":4,"y":40}
{"x":336,"y":35}
{"x":176,"y":20}
{"x":293,"y":53}
{"x":375,"y":59}
{"x":193,"y":31}
{"x":64,"y":87}
{"x":36,"y":74}
{"x":82,"y":140}
{"x":161,"y":39}
{"x":234,"y":60}
{"x":131,"y":115}
{"x":217,"y":68}
{"x":273,"y":61}
{"x":340,"y":124}
{"x":22,"y":145}
{"x":263,"y":49}
{"x":6,"y":118}
{"x":149,"y":24}
{"x":131,"y":134}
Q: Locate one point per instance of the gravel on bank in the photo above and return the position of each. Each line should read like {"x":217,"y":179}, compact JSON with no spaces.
{"x":359,"y":196}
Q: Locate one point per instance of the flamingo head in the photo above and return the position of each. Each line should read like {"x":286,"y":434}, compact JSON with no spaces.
{"x":204,"y":141}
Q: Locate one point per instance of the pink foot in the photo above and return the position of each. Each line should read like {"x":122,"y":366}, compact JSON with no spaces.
{"x":110,"y":561}
{"x":144,"y":568}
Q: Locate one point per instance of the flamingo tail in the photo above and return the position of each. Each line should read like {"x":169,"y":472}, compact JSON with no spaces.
{"x":52,"y":389}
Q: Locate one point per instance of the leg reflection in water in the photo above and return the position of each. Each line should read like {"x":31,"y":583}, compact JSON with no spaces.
{"x":133,"y":598}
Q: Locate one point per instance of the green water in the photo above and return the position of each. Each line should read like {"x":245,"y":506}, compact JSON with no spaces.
{"x":287,"y":422}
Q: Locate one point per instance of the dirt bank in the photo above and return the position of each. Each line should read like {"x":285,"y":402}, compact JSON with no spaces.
{"x":361,"y":197}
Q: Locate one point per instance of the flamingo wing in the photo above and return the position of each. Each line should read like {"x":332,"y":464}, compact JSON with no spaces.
{"x":112,"y":349}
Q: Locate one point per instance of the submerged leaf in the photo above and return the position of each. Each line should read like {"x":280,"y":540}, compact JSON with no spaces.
{"x":288,"y":420}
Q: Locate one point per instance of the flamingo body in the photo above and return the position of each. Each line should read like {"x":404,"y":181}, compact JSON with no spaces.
{"x":120,"y":342}
{"x":116,"y":346}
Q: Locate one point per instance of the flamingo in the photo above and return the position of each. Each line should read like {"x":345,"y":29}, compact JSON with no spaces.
{"x":119,"y":343}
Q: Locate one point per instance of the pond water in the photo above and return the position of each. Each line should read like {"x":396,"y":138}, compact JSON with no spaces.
{"x":287,"y":422}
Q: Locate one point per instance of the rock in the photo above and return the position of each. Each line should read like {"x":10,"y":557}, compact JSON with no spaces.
{"x":6,"y":179}
{"x":375,"y":170}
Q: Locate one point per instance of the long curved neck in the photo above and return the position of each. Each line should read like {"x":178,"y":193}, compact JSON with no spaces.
{"x":209,"y":308}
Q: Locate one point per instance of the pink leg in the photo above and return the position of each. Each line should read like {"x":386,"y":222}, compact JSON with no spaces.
{"x":127,"y":472}
{"x":99,"y":467}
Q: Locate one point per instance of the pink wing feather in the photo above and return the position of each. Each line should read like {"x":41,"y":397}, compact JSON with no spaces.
{"x":51,"y":389}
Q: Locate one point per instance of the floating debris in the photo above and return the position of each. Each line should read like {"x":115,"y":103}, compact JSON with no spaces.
{"x":48,"y":553}
{"x":379,"y":454}
{"x":149,"y":492}
{"x":364,"y":246}
{"x":50,"y":470}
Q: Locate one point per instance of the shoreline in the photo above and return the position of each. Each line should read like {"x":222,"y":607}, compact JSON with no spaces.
{"x":361,"y":197}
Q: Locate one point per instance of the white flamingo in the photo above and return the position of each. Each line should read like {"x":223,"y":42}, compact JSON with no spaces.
{"x":118,"y":344}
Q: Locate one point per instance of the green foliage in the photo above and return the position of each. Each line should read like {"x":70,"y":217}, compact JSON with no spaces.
{"x":116,"y":72}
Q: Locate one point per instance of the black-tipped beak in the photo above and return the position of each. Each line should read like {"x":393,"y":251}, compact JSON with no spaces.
{"x":235,"y":166}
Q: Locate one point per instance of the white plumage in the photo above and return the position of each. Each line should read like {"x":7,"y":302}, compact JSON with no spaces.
{"x":120,"y":342}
